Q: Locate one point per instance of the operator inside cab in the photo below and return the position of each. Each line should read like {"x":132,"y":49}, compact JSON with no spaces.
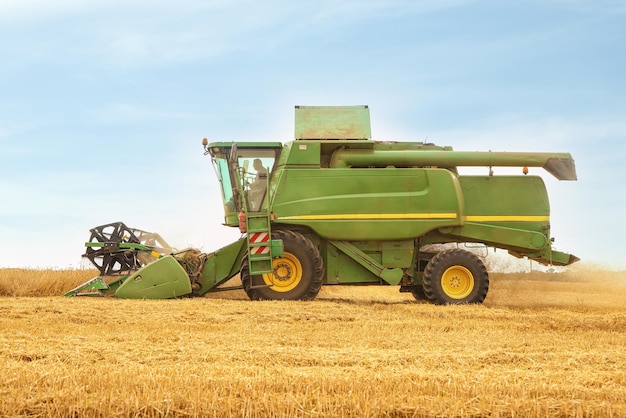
{"x":261,"y":172}
{"x":257,"y":187}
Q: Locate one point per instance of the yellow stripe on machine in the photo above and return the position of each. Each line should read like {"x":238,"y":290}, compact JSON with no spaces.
{"x":507,"y":218}
{"x":377,"y":216}
{"x":393,"y":216}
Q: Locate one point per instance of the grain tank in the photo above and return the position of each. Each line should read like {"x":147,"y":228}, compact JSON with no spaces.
{"x":334,"y":206}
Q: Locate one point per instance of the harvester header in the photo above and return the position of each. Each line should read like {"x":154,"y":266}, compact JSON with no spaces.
{"x":336,"y":207}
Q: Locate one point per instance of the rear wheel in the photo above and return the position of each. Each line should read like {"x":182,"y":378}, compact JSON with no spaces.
{"x":297,"y":275}
{"x":456,"y":277}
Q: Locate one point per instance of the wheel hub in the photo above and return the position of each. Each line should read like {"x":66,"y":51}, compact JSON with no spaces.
{"x":457,"y":282}
{"x":282,"y":271}
{"x":286,"y":273}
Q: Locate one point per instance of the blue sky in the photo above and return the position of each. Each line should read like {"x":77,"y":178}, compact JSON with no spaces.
{"x":103,"y":103}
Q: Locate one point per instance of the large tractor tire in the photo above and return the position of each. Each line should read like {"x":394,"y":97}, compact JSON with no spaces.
{"x":455,"y":277}
{"x":297,"y":275}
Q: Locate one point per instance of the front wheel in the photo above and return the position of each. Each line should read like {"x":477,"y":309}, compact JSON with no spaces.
{"x":456,"y":277}
{"x":297,"y":275}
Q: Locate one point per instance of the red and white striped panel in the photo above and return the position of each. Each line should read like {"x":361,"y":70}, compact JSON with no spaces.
{"x":259,"y":237}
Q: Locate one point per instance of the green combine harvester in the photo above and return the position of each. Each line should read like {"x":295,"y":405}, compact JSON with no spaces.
{"x":335,"y":207}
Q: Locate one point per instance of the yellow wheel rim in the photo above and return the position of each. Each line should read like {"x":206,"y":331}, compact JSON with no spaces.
{"x":287,"y":273}
{"x":457,"y":282}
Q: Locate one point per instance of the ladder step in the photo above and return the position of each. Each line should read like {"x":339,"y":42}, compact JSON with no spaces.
{"x":260,"y":257}
{"x":259,"y":266}
{"x":259,"y":227}
{"x":260,"y":244}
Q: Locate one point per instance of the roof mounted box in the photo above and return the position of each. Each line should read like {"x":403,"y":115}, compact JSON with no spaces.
{"x":333,"y":122}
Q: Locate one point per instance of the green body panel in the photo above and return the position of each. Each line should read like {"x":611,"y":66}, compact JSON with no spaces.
{"x":397,"y":253}
{"x":366,"y":262}
{"x":505,"y":196}
{"x":389,"y":275}
{"x":222,"y":265}
{"x":343,"y":269}
{"x":306,"y":154}
{"x":161,"y":279}
{"x":500,"y":236}
{"x":511,"y":212}
{"x":367,"y":204}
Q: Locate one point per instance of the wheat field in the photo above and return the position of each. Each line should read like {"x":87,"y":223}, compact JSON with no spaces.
{"x":542,"y":345}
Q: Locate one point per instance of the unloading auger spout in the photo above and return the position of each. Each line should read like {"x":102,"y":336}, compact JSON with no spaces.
{"x":560,"y":165}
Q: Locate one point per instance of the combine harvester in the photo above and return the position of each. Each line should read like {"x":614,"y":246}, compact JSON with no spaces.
{"x":335,"y":207}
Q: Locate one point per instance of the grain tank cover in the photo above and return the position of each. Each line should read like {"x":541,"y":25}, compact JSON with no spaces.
{"x":332,"y":122}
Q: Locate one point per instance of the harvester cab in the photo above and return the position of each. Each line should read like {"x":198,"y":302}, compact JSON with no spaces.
{"x":243,"y":171}
{"x":335,"y":207}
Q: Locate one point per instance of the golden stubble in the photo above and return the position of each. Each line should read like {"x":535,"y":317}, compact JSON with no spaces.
{"x":541,"y":345}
